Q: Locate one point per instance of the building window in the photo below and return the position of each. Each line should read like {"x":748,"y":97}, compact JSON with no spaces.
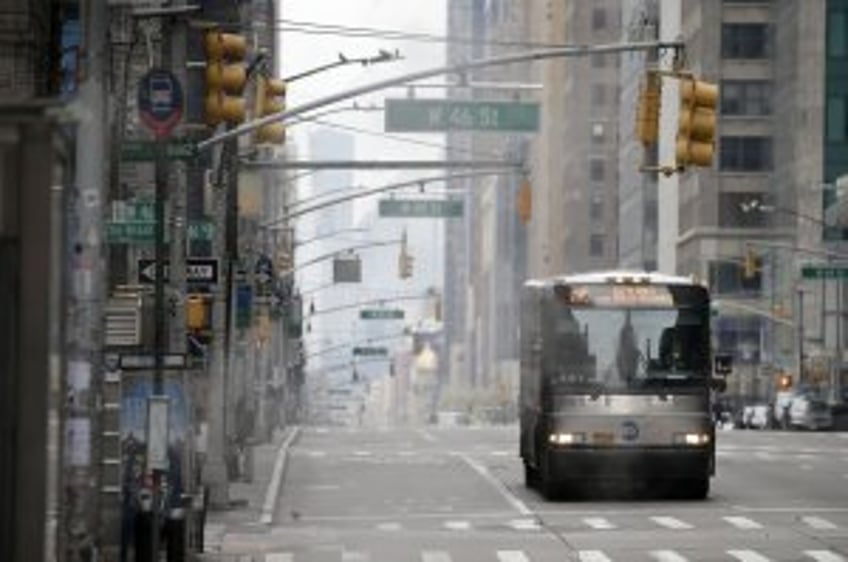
{"x":596,"y":245}
{"x":745,"y":154}
{"x":598,"y":133}
{"x":745,"y":40}
{"x":727,"y":277}
{"x":745,"y":97}
{"x":599,"y":60}
{"x":599,"y":19}
{"x":596,"y":208}
{"x":596,"y":170}
{"x":837,"y":123}
{"x":732,"y":215}
{"x":599,"y":95}
{"x":837,"y":34}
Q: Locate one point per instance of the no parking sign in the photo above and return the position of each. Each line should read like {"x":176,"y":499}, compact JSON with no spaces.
{"x":160,"y":101}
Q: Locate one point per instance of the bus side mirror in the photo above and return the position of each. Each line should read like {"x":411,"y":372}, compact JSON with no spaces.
{"x":723,"y":364}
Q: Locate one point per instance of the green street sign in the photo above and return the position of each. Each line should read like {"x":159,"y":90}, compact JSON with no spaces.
{"x":370,"y":351}
{"x":143,"y":150}
{"x":143,"y":232}
{"x":381,"y":314}
{"x":432,"y":115}
{"x":421,"y":208}
{"x":824,"y":271}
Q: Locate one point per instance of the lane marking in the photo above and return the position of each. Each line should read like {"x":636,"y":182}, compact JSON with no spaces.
{"x":435,"y":556}
{"x":667,"y":556}
{"x":457,"y":525}
{"x":427,"y":435}
{"x":355,"y":556}
{"x":279,"y":557}
{"x":391,"y":526}
{"x":273,"y":490}
{"x":525,"y":525}
{"x":600,"y":523}
{"x":323,"y":487}
{"x":819,"y":523}
{"x":407,"y":453}
{"x":790,"y":509}
{"x":671,"y":522}
{"x":511,"y":498}
{"x":806,"y":467}
{"x":748,"y":556}
{"x":322,"y":430}
{"x":742,"y":522}
{"x":592,"y":556}
{"x":317,"y":454}
{"x":512,"y":556}
{"x":824,"y":556}
{"x":764,"y":456}
{"x":363,"y":453}
{"x":500,"y":453}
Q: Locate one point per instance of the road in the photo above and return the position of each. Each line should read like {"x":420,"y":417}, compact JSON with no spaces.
{"x":457,"y":495}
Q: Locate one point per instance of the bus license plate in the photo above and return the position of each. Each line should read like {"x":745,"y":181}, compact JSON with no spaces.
{"x":603,"y":438}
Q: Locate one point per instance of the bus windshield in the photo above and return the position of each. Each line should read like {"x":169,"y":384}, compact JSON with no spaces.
{"x":625,"y":349}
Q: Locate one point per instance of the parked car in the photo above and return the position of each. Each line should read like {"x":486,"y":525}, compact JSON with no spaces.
{"x":757,"y":416}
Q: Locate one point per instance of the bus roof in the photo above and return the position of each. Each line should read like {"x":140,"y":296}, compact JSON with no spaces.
{"x":613,"y":276}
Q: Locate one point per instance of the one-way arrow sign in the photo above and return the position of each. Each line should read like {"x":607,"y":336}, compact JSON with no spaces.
{"x":198,"y":270}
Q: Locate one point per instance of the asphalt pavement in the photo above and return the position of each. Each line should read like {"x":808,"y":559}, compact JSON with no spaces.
{"x":457,"y":494}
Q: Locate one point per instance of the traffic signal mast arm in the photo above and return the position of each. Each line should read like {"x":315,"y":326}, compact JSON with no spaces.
{"x":559,"y":52}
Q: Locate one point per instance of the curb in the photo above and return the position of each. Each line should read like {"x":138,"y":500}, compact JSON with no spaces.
{"x":273,"y":491}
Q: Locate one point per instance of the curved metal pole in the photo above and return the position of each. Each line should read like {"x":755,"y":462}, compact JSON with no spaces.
{"x":331,"y":255}
{"x":368,"y":302}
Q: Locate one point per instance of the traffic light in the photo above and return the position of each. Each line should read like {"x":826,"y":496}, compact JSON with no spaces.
{"x":270,"y":99}
{"x":197,"y":313}
{"x":525,"y":201}
{"x":405,"y":260}
{"x":226,"y":77}
{"x":648,"y":109}
{"x":751,"y":265}
{"x":697,"y":123}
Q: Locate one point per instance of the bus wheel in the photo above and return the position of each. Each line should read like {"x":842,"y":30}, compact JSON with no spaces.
{"x":531,"y":476}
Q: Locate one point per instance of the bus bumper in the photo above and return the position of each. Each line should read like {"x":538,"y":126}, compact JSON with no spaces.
{"x":665,"y":463}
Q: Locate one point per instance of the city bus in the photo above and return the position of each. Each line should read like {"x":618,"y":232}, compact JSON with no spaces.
{"x":616,"y":383}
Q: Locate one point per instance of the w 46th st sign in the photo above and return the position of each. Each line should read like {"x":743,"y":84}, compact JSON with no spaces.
{"x":198,"y":271}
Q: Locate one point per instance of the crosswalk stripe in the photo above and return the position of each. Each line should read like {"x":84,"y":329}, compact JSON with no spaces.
{"x":671,"y":522}
{"x":457,"y":525}
{"x":667,"y":556}
{"x":824,"y":556}
{"x":592,"y":556}
{"x":742,"y":522}
{"x":748,"y":556}
{"x":524,"y":524}
{"x":355,"y":556}
{"x":819,"y":523}
{"x":512,"y":556}
{"x":388,"y":527}
{"x":435,"y":556}
{"x":600,"y":523}
{"x":279,"y":557}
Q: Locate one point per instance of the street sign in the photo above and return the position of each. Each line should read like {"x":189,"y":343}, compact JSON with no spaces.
{"x":433,"y":115}
{"x":825,"y":271}
{"x":146,"y":361}
{"x":421,"y":208}
{"x":198,"y":270}
{"x":370,"y":351}
{"x":381,"y":314}
{"x":160,"y":101}
{"x":136,"y":232}
{"x":144,"y":150}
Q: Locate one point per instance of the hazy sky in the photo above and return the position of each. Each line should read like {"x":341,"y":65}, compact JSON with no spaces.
{"x":302,"y":52}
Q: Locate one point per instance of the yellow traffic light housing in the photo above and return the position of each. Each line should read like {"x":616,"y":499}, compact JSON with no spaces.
{"x":270,"y":99}
{"x":697,"y":123}
{"x":525,"y":201}
{"x":751,"y":265}
{"x":197,"y":313}
{"x":648,"y":109}
{"x":404,"y":259}
{"x":226,"y":77}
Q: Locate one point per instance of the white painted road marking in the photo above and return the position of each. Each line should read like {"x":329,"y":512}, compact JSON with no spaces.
{"x":279,"y":557}
{"x":388,"y":526}
{"x":511,"y":498}
{"x":667,"y":556}
{"x":500,"y":453}
{"x":819,"y":523}
{"x":824,"y":556}
{"x":457,"y":525}
{"x":601,"y":523}
{"x":317,"y":454}
{"x":363,"y":453}
{"x":742,"y":522}
{"x":512,"y":556}
{"x":671,"y":522}
{"x":435,"y":556}
{"x":427,"y":435}
{"x":525,"y":525}
{"x":592,"y":556}
{"x":273,"y":490}
{"x":748,"y":556}
{"x":355,"y":556}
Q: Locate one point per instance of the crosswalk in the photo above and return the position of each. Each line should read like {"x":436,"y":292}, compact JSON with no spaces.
{"x":442,"y":555}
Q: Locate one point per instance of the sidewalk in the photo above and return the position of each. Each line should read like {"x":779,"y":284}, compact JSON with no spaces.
{"x":252,"y":503}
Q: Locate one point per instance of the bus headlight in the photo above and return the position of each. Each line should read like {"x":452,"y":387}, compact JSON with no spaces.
{"x":692,"y":439}
{"x":566,"y":438}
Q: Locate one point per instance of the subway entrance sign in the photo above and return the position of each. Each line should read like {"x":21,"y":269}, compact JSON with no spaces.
{"x":421,"y":208}
{"x":824,"y":271}
{"x":433,"y":115}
